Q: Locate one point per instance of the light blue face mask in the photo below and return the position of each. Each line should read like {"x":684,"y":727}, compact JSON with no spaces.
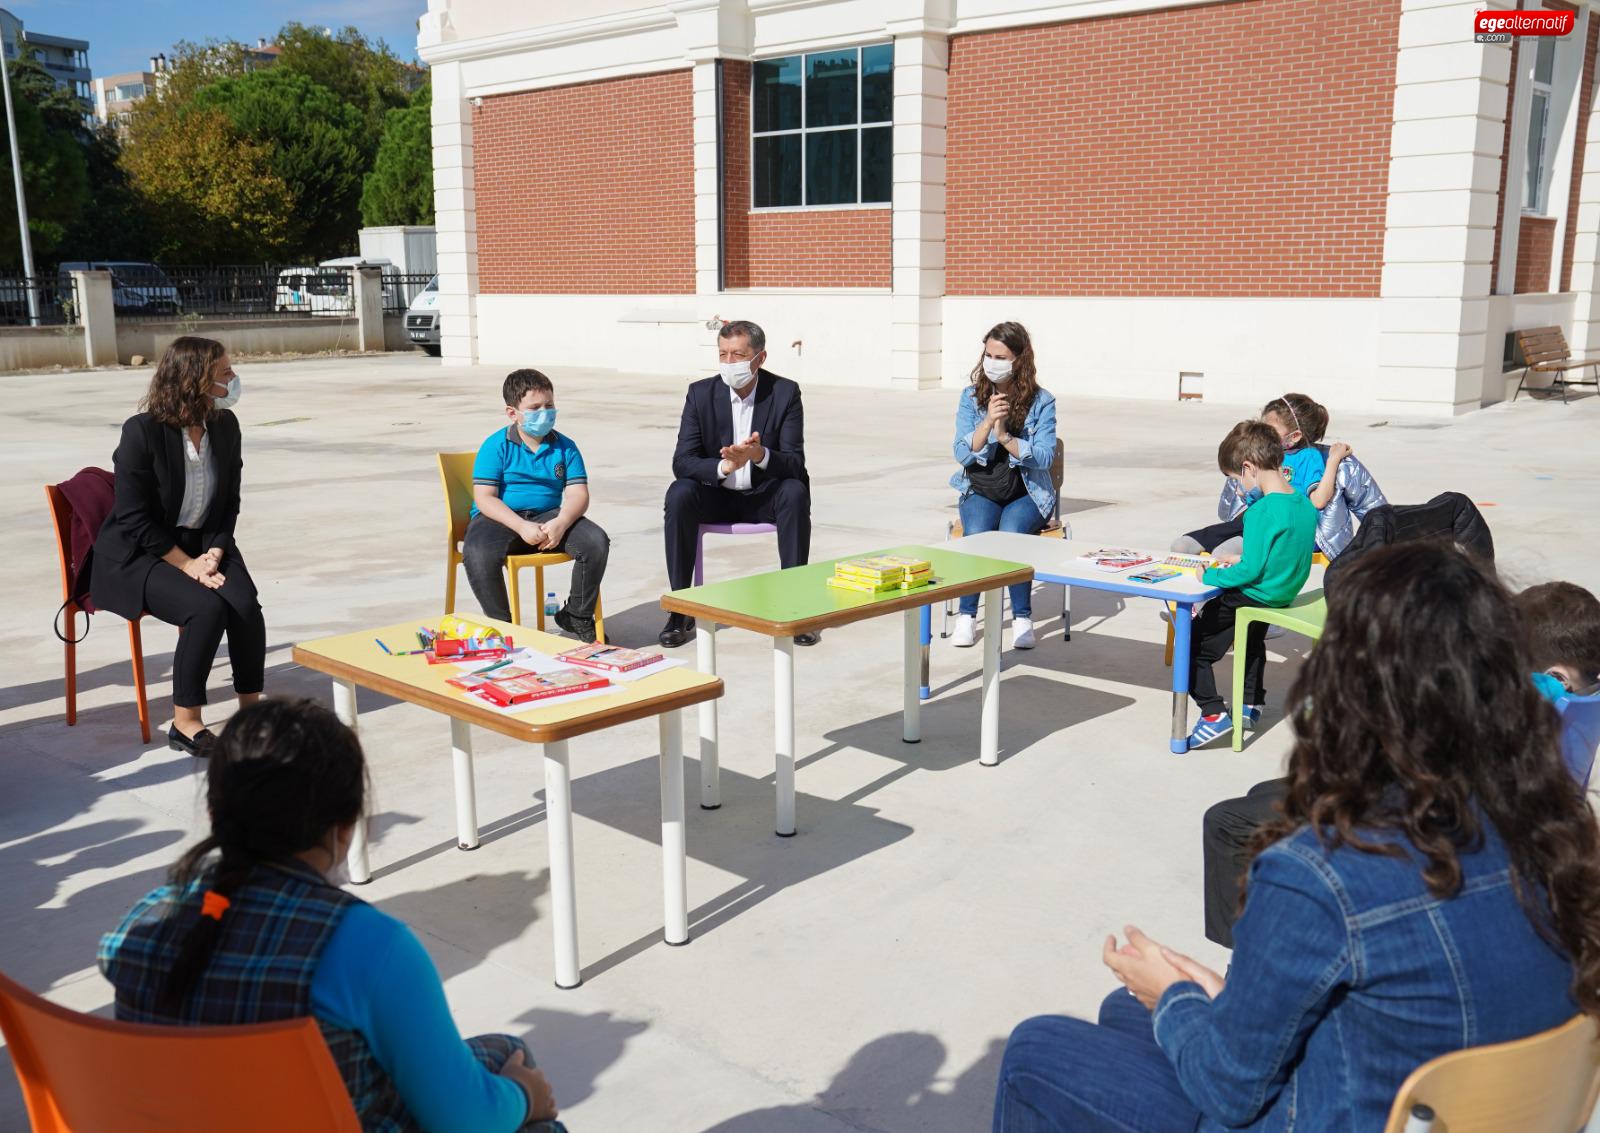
{"x":538,"y":422}
{"x":231,"y":398}
{"x":1248,"y":495}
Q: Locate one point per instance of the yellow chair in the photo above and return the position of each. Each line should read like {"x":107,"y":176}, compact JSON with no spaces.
{"x":1545,"y":1083}
{"x":1317,"y":559}
{"x":455,"y":473}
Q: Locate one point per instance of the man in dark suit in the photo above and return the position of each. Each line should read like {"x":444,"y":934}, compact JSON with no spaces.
{"x":741,"y":458}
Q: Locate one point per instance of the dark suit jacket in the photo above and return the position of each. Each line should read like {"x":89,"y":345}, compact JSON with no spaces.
{"x":149,"y":469}
{"x":707,"y":426}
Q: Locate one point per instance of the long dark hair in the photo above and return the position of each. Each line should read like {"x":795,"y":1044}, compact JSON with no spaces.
{"x":180,"y":389}
{"x":1023,"y":384}
{"x":1415,"y":714}
{"x":280,"y":777}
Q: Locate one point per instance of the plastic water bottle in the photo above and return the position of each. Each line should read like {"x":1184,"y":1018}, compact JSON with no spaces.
{"x":551,"y":606}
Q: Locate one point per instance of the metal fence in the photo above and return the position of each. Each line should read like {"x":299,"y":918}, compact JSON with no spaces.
{"x":36,"y":300}
{"x":400,"y":289}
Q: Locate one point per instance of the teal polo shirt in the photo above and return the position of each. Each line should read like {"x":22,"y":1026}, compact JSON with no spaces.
{"x":528,"y":480}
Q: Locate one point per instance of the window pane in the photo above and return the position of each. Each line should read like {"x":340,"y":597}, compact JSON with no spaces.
{"x":775,"y":95}
{"x":1538,"y":111}
{"x":831,"y":168}
{"x":877,"y":83}
{"x":877,"y":163}
{"x":777,"y":172}
{"x":1545,"y":61}
{"x":831,"y":89}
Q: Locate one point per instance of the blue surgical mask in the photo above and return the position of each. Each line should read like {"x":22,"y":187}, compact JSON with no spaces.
{"x":231,"y":398}
{"x":538,"y":422}
{"x":1248,"y":495}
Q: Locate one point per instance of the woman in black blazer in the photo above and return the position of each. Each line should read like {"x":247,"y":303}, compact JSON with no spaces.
{"x":167,"y":547}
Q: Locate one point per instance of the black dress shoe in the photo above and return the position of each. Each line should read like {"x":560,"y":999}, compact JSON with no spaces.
{"x":678,"y":631}
{"x":807,"y":638}
{"x":199,"y":746}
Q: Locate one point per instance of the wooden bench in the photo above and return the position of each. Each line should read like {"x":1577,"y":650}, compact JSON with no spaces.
{"x":1545,"y":351}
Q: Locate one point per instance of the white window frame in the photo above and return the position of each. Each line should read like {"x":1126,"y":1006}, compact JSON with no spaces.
{"x":803,"y":130}
{"x":1538,"y":205}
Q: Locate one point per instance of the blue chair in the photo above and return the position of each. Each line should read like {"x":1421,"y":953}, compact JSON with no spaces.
{"x":1580,"y":734}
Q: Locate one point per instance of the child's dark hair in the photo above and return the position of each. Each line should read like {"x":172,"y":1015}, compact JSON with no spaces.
{"x":1253,"y":441}
{"x":1301,"y":412}
{"x":1414,"y":715}
{"x":1562,"y":623}
{"x":280,"y":777}
{"x":520,"y":383}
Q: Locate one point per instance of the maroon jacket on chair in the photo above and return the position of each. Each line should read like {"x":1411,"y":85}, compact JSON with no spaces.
{"x":91,"y":494}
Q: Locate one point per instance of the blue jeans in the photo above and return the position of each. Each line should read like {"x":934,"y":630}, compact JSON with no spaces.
{"x":1063,"y":1075}
{"x":979,"y":514}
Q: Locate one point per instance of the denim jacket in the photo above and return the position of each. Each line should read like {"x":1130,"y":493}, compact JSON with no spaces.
{"x":1347,"y":975}
{"x":1357,"y":493}
{"x":1036,"y":448}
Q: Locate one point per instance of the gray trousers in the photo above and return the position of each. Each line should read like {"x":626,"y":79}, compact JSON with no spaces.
{"x":488,"y":542}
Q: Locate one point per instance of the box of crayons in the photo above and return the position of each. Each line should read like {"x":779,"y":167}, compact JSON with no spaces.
{"x":881,"y":574}
{"x":538,"y":686}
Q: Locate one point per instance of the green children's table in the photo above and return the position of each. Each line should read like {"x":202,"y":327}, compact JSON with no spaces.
{"x":783,"y":603}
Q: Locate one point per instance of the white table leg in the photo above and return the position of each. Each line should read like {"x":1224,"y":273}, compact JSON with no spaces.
{"x":674,"y":847}
{"x":705,"y":640}
{"x":989,"y":737}
{"x":783,"y":730}
{"x":344,"y":707}
{"x":911,"y":713}
{"x":563,"y":887}
{"x":466,"y":790}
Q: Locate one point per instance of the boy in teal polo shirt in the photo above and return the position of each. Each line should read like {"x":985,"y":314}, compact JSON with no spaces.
{"x":1280,"y":532}
{"x":530,"y":492}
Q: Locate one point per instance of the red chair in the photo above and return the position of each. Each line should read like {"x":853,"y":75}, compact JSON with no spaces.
{"x":61,"y":514}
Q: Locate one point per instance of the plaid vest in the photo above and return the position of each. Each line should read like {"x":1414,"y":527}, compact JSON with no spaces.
{"x":273,"y":936}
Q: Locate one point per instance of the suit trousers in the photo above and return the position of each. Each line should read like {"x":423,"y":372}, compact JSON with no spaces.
{"x":204,"y":616}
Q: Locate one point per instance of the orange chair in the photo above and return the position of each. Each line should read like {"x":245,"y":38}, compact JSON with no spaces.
{"x":81,"y":1074}
{"x":61,"y":514}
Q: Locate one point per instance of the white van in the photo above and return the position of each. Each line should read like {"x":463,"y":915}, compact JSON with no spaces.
{"x":422,"y":318}
{"x":326,"y":289}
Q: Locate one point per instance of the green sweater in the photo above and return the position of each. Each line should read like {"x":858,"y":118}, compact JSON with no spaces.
{"x":1280,"y":533}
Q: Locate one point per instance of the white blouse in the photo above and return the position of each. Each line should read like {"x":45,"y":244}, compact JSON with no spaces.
{"x":199,"y":480}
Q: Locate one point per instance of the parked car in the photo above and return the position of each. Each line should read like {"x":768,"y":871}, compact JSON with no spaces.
{"x":422,"y":318}
{"x":313,"y":291}
{"x":136,"y":288}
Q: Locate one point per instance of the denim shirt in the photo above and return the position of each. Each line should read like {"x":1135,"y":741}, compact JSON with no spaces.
{"x":1356,"y":493}
{"x":1036,"y":448}
{"x":1347,"y":975}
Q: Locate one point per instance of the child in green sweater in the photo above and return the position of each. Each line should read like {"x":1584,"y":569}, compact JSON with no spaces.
{"x":1280,"y":532}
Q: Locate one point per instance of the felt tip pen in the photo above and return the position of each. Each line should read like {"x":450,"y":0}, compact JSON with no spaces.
{"x":384,"y":647}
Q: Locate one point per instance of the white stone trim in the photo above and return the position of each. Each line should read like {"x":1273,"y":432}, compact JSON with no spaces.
{"x":455,"y":215}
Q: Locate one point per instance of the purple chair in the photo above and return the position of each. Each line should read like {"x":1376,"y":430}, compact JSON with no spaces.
{"x":723,"y":529}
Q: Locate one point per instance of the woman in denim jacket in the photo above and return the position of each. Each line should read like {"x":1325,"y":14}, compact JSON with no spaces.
{"x":1005,"y":444}
{"x":1434,"y":885}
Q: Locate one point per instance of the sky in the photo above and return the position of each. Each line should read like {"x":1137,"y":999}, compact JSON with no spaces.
{"x":123,"y":34}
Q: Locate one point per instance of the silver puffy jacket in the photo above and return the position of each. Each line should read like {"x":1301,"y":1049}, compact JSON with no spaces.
{"x":1336,"y":524}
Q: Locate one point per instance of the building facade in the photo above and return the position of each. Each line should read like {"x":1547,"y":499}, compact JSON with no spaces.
{"x":1239,"y":197}
{"x":116,"y":95}
{"x":66,"y":59}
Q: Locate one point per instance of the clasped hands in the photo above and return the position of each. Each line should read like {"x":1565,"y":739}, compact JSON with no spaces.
{"x":206,"y":569}
{"x":1147,"y":969}
{"x":545,"y":536}
{"x":747,"y":451}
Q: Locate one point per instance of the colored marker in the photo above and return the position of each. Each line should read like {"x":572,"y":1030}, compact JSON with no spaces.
{"x":384,"y":647}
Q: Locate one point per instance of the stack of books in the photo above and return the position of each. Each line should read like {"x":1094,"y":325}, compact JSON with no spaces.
{"x":611,"y":658}
{"x":881,"y":574}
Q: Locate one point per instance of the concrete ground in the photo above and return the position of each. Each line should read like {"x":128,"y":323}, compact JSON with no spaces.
{"x":862,"y":976}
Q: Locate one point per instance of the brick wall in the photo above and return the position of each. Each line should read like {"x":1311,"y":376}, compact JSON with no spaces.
{"x":808,"y":248}
{"x":1233,"y":149}
{"x":1585,"y":102}
{"x":587,"y":189}
{"x":1535,"y":243}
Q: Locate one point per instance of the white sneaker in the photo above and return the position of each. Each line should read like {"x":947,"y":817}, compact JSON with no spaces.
{"x":966,"y":635}
{"x":1022,"y":633}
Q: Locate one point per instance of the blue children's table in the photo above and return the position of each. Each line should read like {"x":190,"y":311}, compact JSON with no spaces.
{"x":1061,"y":562}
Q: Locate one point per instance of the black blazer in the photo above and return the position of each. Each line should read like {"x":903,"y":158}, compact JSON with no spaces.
{"x":707,"y":426}
{"x":149,"y":472}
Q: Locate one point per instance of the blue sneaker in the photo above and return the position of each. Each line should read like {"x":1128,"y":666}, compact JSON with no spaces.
{"x":1251,"y":714}
{"x":1208,"y":728}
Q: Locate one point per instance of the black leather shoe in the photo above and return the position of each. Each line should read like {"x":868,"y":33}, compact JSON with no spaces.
{"x":580,"y":628}
{"x":807,"y":638}
{"x":678,"y":631}
{"x":199,"y":746}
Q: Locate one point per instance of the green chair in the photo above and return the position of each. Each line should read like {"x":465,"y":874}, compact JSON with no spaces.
{"x":1306,"y":614}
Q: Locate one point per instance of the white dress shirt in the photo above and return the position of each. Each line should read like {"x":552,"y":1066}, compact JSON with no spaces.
{"x":744,"y":415}
{"x":199,"y":480}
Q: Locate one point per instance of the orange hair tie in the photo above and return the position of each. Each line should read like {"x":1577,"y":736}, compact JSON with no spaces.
{"x":214,"y":904}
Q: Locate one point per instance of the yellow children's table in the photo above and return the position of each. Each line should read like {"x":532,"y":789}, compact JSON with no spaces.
{"x":355,"y":660}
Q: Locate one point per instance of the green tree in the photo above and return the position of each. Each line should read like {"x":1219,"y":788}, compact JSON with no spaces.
{"x":117,"y":224}
{"x":362,"y":72}
{"x":54,"y":171}
{"x":399,"y":190}
{"x":314,"y":144}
